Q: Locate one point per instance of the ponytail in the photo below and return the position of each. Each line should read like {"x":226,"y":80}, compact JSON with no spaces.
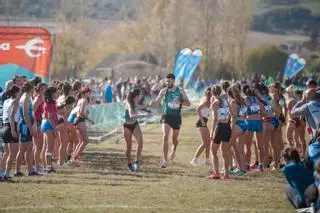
{"x":131,"y":96}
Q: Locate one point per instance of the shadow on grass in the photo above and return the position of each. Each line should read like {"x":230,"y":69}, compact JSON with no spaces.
{"x":115,"y":163}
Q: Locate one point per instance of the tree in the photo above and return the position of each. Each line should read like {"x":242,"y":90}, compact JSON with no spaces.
{"x":267,"y":60}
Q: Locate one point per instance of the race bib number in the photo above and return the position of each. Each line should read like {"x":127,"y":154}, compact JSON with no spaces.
{"x":174,"y":105}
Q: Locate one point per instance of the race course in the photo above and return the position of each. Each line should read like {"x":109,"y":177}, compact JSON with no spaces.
{"x":102,"y":183}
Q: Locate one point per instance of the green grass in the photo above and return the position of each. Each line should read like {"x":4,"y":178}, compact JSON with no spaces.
{"x":103,"y":184}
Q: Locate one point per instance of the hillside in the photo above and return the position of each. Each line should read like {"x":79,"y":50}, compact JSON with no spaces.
{"x":49,"y":9}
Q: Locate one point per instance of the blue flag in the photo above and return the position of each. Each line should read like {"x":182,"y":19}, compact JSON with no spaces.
{"x":294,"y":65}
{"x":181,"y":62}
{"x":193,"y":62}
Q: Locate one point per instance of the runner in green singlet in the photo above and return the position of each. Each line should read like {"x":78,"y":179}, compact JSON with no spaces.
{"x":173,"y":98}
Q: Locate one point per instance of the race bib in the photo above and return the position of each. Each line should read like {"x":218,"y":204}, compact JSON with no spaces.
{"x":268,"y":108}
{"x":255,"y":107}
{"x":243,"y":111}
{"x":174,"y":104}
{"x":223,"y":113}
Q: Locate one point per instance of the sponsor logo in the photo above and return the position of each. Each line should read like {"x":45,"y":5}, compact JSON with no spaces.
{"x":5,"y":46}
{"x":32,"y":48}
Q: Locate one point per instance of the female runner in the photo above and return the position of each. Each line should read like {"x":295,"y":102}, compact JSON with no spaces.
{"x":255,"y":125}
{"x":38,"y":103}
{"x":48,"y":125}
{"x":26,"y":131}
{"x":131,"y":128}
{"x":238,"y":112}
{"x":10,"y":135}
{"x":79,"y":121}
{"x":203,"y":111}
{"x":220,"y":134}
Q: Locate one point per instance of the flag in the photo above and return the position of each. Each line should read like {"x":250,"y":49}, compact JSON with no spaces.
{"x":193,"y":63}
{"x":294,"y":65}
{"x":181,"y":62}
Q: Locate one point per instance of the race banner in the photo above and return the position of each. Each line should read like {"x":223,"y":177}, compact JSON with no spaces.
{"x":24,"y":51}
{"x":294,"y":65}
{"x":181,"y":63}
{"x":193,"y":63}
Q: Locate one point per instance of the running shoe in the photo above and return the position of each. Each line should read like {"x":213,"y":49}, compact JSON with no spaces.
{"x":214,"y":176}
{"x":207,"y":162}
{"x":194,"y":162}
{"x":164,"y":164}
{"x":173,"y":155}
{"x":19,"y":174}
{"x":65,"y":164}
{"x":135,"y":165}
{"x":254,"y":166}
{"x":240,"y":172}
{"x":7,"y":178}
{"x":232,"y":171}
{"x":39,"y":170}
{"x":130,"y":166}
{"x":33,"y":173}
{"x":225,"y":177}
{"x":50,"y":170}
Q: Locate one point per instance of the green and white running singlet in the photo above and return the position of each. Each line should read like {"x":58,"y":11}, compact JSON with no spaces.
{"x":172,"y":102}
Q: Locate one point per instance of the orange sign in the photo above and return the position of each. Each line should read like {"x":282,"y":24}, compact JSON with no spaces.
{"x":25,"y":51}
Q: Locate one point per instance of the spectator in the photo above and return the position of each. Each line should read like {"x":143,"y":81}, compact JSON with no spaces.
{"x":317,"y":183}
{"x":312,"y":84}
{"x":309,"y":108}
{"x":108,"y":94}
{"x":298,"y":177}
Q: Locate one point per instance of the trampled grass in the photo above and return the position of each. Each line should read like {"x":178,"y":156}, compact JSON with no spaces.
{"x":102,"y":183}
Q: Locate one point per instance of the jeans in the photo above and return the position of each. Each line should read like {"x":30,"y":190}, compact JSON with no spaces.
{"x":293,"y":198}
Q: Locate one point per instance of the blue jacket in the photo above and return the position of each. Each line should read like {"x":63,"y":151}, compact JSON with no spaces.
{"x":299,"y":177}
{"x":108,"y":93}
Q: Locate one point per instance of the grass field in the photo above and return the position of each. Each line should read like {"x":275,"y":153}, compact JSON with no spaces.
{"x":102,"y":183}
